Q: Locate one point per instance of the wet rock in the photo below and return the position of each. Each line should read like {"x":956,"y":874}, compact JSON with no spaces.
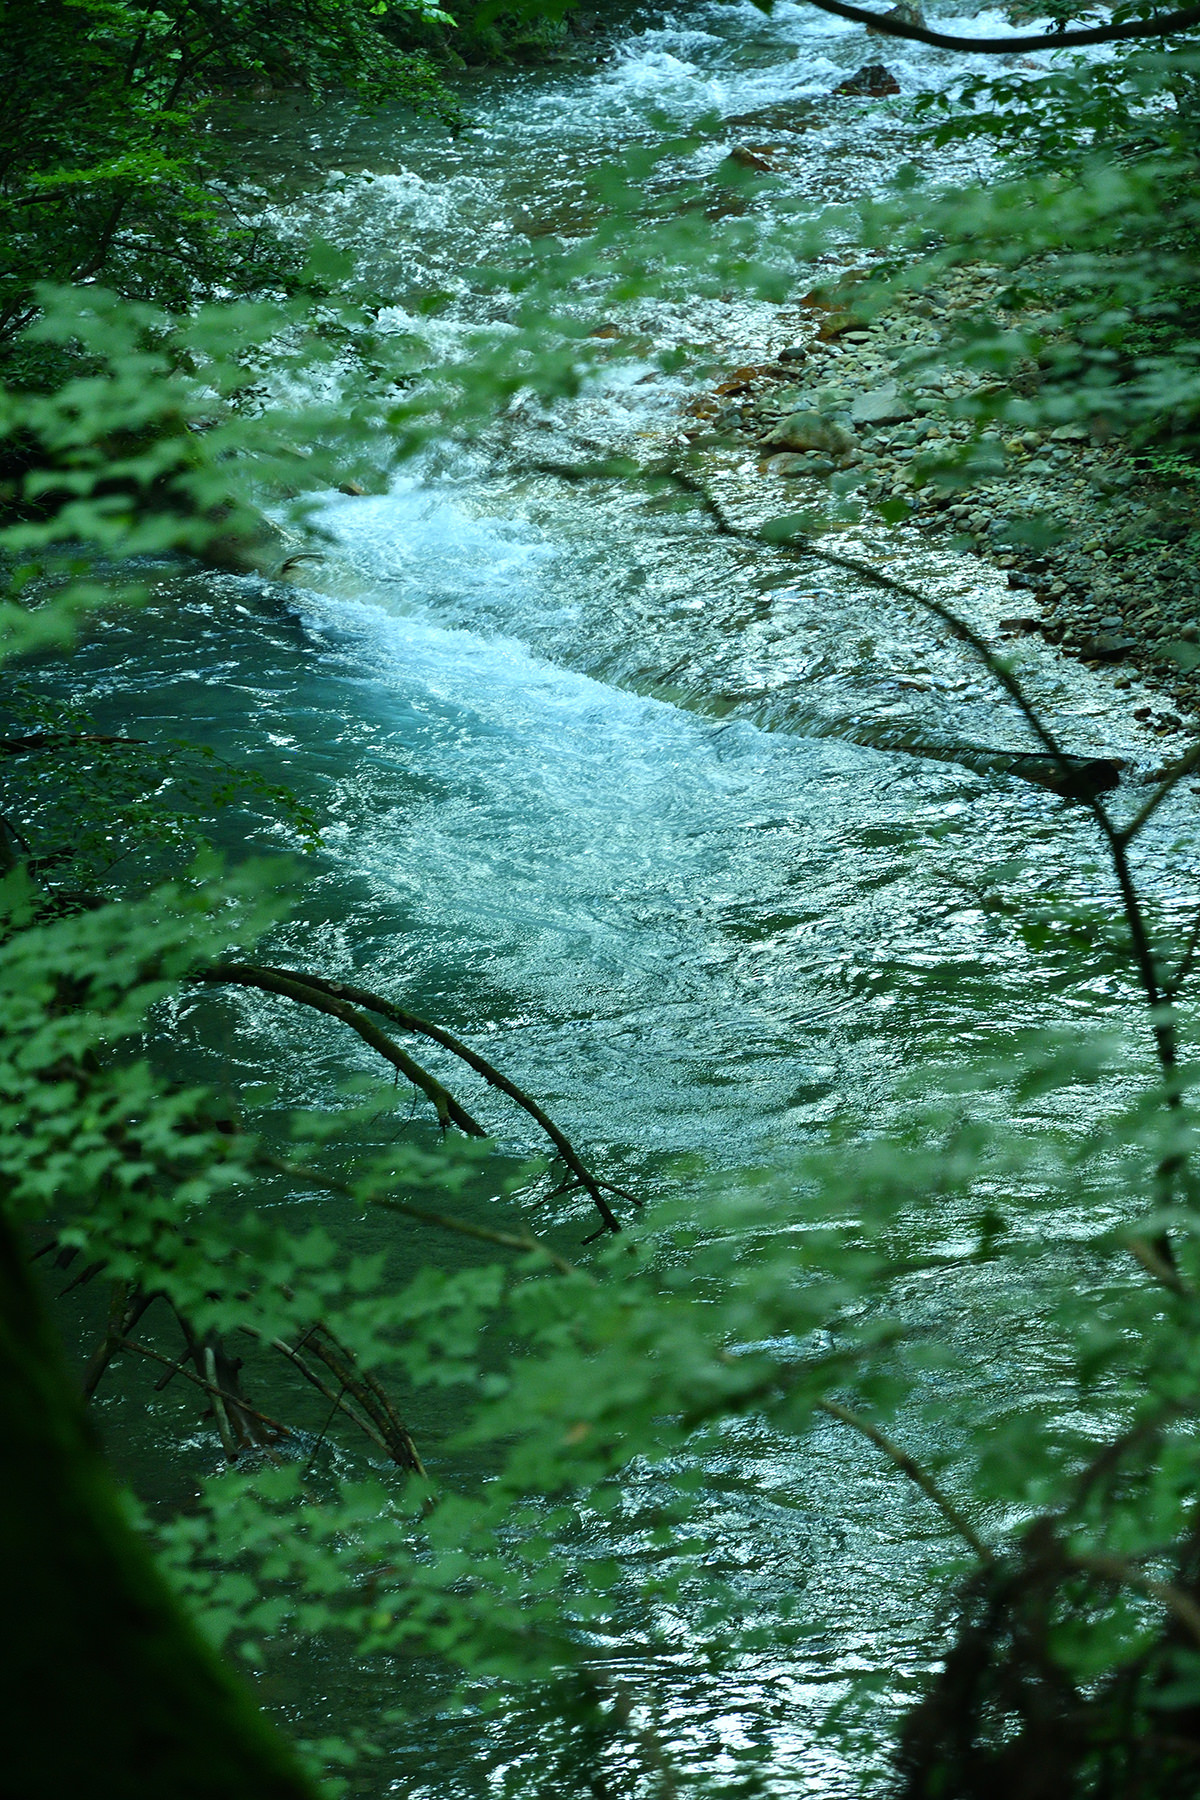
{"x":810,"y":431}
{"x":253,"y":544}
{"x":354,"y":488}
{"x":836,"y":325}
{"x":873,"y":81}
{"x":741,"y":380}
{"x":1070,"y":434}
{"x":882,"y":406}
{"x":1106,"y":646}
{"x":794,"y":353}
{"x":905,"y":14}
{"x":749,"y":157}
{"x":1072,"y":777}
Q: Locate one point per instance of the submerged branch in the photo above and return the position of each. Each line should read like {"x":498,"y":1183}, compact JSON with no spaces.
{"x":370,"y":1395}
{"x":214,"y":1392}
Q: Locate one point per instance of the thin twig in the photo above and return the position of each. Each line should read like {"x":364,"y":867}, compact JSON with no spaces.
{"x":304,"y":993}
{"x":371,"y":1397}
{"x":407,"y":1021}
{"x":125,"y":1310}
{"x":178,"y":1368}
{"x":507,"y":1240}
{"x":915,"y":1473}
{"x":311,"y":1376}
{"x":320,"y":1439}
{"x":1184,"y":968}
{"x":1117,"y":838}
{"x":1165,"y":788}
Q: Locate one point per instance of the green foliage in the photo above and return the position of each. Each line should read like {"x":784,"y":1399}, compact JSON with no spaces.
{"x":493,"y":31}
{"x":1095,"y":224}
{"x":594,"y":1394}
{"x":106,"y":169}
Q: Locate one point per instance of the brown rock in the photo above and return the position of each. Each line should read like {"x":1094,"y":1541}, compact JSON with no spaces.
{"x":753,"y":156}
{"x":740,"y":380}
{"x":873,"y":82}
{"x":836,"y":324}
{"x":904,"y":14}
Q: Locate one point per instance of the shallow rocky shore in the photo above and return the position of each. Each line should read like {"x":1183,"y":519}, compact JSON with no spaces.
{"x":848,"y":401}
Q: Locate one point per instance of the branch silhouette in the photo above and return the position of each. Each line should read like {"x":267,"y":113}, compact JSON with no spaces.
{"x":1161,"y":25}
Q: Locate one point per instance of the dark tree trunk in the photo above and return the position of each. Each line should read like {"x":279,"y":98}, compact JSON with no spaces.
{"x":109,"y":1691}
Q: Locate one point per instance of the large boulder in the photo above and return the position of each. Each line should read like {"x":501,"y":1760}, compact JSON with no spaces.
{"x":905,"y":14}
{"x":882,"y":406}
{"x":873,"y":81}
{"x":810,"y":431}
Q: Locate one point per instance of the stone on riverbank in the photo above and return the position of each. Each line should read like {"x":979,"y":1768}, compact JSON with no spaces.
{"x":809,"y":431}
{"x":903,"y":14}
{"x":882,"y":406}
{"x":1113,"y":572}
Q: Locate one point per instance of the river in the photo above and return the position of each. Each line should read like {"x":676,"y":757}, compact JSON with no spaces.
{"x":598,"y":799}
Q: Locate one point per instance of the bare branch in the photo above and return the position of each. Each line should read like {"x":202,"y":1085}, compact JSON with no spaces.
{"x":397,"y":1015}
{"x":179,"y":1368}
{"x":1184,"y":967}
{"x":506,"y":1240}
{"x":369,"y":1394}
{"x":1161,"y":792}
{"x":304,"y":993}
{"x":60,"y":740}
{"x":125,"y":1308}
{"x":218,"y":1405}
{"x":310,"y":1375}
{"x":916,"y":1474}
{"x":1161,"y":25}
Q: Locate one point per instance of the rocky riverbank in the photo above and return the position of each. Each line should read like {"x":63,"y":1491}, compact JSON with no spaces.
{"x":884,"y":411}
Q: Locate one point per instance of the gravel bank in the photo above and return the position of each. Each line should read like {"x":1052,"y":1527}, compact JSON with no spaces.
{"x":848,"y":401}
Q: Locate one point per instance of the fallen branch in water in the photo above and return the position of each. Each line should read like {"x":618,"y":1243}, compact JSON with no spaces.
{"x":370,"y":1394}
{"x":208,"y":1385}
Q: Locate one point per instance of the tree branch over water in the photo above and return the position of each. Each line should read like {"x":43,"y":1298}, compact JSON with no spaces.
{"x":1161,"y":25}
{"x":344,"y":1002}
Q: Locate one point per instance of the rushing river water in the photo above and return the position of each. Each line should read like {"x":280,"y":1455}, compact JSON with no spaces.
{"x":601,"y":798}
